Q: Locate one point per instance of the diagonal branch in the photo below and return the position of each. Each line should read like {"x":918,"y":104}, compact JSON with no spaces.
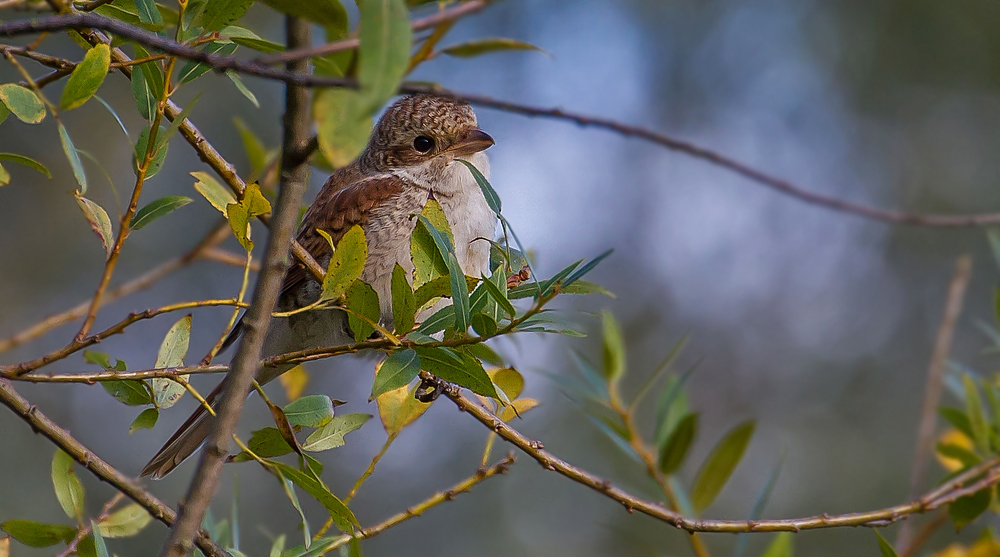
{"x":246,"y":363}
{"x":97,"y":466}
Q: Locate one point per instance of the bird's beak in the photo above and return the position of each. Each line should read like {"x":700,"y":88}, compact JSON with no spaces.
{"x":473,"y":142}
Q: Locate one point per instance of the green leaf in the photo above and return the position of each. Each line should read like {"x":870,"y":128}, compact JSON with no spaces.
{"x":439,"y":321}
{"x":332,"y":434}
{"x":246,"y":92}
{"x":499,"y":296}
{"x":492,"y":199}
{"x":614,"y":348}
{"x":404,"y":307}
{"x":87,"y":77}
{"x":4,"y":176}
{"x":361,"y":299}
{"x":215,"y":193}
{"x":125,"y":522}
{"x":239,"y":214}
{"x":780,"y":547}
{"x":131,"y":392}
{"x":459,"y":294}
{"x":585,"y":287}
{"x":145,"y":420}
{"x":147,"y":12}
{"x":310,"y":411}
{"x":73,"y":156}
{"x":69,"y":490}
{"x":397,"y":370}
{"x":485,"y":46}
{"x":346,"y":264}
{"x":342,"y":517}
{"x":719,"y":465}
{"x":172,"y":351}
{"x":343,"y":124}
{"x":974,"y":411}
{"x":164,"y":137}
{"x":4,"y":112}
{"x":23,"y":160}
{"x":454,"y":367}
{"x":220,"y":13}
{"x":265,"y":443}
{"x":584,"y":270}
{"x":99,"y":222}
{"x":278,"y":546}
{"x":249,"y":39}
{"x":384,"y":53}
{"x":159,"y":153}
{"x":100,"y":548}
{"x":428,"y":260}
{"x":147,"y":85}
{"x":676,"y":448}
{"x":23,"y":103}
{"x":966,"y":509}
{"x":327,"y":13}
{"x":484,"y":325}
{"x":193,"y":70}
{"x":957,"y":419}
{"x":884,"y":547}
{"x":435,"y":288}
{"x":35,"y":534}
{"x":156,"y":209}
{"x":253,"y":147}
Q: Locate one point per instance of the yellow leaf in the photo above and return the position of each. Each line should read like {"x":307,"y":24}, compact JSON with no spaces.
{"x":398,"y":409}
{"x":508,"y":379}
{"x":517,"y":408}
{"x":294,"y":382}
{"x":957,"y":438}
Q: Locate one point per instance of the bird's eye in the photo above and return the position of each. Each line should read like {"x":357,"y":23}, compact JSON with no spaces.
{"x":423,"y":143}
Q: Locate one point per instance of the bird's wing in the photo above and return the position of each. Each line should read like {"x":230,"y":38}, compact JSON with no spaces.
{"x":335,"y":211}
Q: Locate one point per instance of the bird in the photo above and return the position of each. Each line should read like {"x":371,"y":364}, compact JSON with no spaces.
{"x":412,"y":156}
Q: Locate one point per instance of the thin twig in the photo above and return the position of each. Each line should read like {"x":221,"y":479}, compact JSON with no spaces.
{"x":246,"y":363}
{"x":97,"y":466}
{"x":451,"y":14}
{"x":464,"y":486}
{"x":85,"y":530}
{"x":935,"y":380}
{"x":939,"y":497}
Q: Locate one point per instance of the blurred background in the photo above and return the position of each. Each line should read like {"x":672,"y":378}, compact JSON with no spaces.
{"x":817,"y":324}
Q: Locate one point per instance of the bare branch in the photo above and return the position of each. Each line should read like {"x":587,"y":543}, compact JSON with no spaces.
{"x":246,"y":363}
{"x":97,"y":466}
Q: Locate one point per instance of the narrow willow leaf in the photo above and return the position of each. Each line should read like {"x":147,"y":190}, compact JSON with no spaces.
{"x":332,"y":434}
{"x":100,"y":547}
{"x":235,"y":78}
{"x":147,"y":12}
{"x":159,"y":154}
{"x":73,"y":156}
{"x":396,"y":371}
{"x":278,"y":547}
{"x":677,"y":445}
{"x":156,"y":209}
{"x":974,"y":411}
{"x":404,"y":307}
{"x":125,"y":522}
{"x":327,"y":13}
{"x":428,"y":260}
{"x":460,"y":369}
{"x":362,"y":300}
{"x":86,"y":78}
{"x":459,"y":294}
{"x":310,"y":411}
{"x":4,"y":112}
{"x":265,"y":443}
{"x":346,"y":263}
{"x":499,"y":296}
{"x":35,"y":534}
{"x":966,"y":509}
{"x":145,"y":420}
{"x":147,"y":85}
{"x":23,"y":103}
{"x":69,"y":490}
{"x":193,"y":70}
{"x":492,"y":199}
{"x":384,"y":53}
{"x":251,"y":40}
{"x":163,"y":138}
{"x":719,"y":465}
{"x":398,"y":409}
{"x":342,"y":517}
{"x":131,"y":392}
{"x":171,"y":354}
{"x":4,"y":176}
{"x":99,"y":222}
{"x":439,"y":321}
{"x":884,"y":547}
{"x":25,"y":161}
{"x":215,"y":193}
{"x":781,"y":546}
{"x":342,"y":124}
{"x":585,"y":269}
{"x":220,"y":13}
{"x":485,"y":46}
{"x":483,"y":324}
{"x":614,"y":348}
{"x":253,"y":147}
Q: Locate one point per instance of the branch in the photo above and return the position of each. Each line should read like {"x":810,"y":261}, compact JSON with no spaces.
{"x":246,"y":362}
{"x":62,"y":439}
{"x":935,"y":378}
{"x":99,"y":376}
{"x":943,"y":495}
{"x":451,"y":14}
{"x":224,"y":63}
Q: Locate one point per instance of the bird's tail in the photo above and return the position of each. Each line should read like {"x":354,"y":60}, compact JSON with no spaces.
{"x":185,"y":440}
